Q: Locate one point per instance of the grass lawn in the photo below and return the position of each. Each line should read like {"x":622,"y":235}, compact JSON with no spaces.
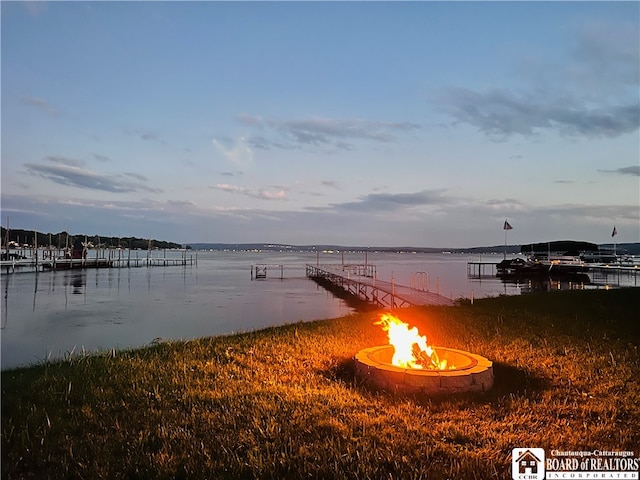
{"x":283,"y":402}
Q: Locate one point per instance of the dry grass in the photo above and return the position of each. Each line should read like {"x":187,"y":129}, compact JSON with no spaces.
{"x":283,"y":402}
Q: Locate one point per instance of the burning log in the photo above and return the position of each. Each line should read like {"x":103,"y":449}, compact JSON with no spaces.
{"x":427,"y":360}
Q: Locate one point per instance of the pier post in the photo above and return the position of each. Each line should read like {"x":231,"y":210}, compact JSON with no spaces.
{"x":393,"y":291}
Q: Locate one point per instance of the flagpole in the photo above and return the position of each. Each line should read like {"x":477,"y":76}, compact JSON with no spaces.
{"x":506,"y":227}
{"x":504,"y":257}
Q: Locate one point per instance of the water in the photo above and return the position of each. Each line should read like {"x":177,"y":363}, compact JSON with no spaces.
{"x":51,"y":314}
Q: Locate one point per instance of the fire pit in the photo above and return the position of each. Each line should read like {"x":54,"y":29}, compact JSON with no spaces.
{"x":409,"y":365}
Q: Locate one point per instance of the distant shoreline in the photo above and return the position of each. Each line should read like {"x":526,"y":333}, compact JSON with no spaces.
{"x":32,"y":237}
{"x":629,"y":248}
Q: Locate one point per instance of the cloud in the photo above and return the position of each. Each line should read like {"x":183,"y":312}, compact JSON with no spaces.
{"x":502,"y":113}
{"x":591,"y":91}
{"x":456,"y":222}
{"x":263,"y":143}
{"x":248,"y":119}
{"x":40,"y":104}
{"x":633,"y":170}
{"x":137,"y":176}
{"x":385,"y":202}
{"x":322,"y":132}
{"x":145,"y":135}
{"x":318,"y":131}
{"x":331,"y":184}
{"x":70,"y":162}
{"x":602,"y":213}
{"x":70,"y":172}
{"x":263,"y":194}
{"x":507,"y":204}
{"x":237,"y":152}
{"x":101,"y":158}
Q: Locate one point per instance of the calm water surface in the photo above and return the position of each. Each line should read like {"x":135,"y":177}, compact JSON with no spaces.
{"x":50,"y":314}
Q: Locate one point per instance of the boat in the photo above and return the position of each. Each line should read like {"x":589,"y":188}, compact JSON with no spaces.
{"x":556,"y":259}
{"x":601,"y":256}
{"x":519,"y":267}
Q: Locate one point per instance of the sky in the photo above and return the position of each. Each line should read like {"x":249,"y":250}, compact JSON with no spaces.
{"x":423,"y":124}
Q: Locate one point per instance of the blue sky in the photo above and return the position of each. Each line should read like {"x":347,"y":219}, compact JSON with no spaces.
{"x":373,"y":124}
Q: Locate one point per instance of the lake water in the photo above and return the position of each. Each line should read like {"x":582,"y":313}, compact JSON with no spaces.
{"x":50,"y":314}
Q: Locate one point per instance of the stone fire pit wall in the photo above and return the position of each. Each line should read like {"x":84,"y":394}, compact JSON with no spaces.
{"x":473,"y":373}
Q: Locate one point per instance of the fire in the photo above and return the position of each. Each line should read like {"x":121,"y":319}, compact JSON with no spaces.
{"x":410,"y":348}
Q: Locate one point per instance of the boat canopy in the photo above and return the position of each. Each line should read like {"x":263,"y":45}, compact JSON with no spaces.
{"x":572,"y":246}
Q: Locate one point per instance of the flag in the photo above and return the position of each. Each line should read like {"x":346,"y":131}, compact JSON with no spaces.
{"x":615,"y":232}
{"x":507,"y":226}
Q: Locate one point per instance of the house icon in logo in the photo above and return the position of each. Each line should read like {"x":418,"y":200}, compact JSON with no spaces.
{"x":528,"y":462}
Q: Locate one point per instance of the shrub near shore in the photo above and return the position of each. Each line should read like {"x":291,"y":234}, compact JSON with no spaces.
{"x":283,"y":402}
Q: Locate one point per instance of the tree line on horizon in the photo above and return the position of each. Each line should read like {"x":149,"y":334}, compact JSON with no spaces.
{"x":64,"y":239}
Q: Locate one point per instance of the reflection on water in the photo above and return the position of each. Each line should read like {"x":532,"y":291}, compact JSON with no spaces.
{"x":76,"y":279}
{"x":548,"y":284}
{"x":576,"y":281}
{"x":51,"y":313}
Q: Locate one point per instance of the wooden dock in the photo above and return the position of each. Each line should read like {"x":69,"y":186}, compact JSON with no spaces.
{"x":479,"y":269}
{"x":361,"y":282}
{"x":44,"y":259}
{"x":259,"y":271}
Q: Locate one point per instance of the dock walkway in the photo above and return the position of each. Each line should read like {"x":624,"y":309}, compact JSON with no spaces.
{"x":364,"y":285}
{"x":45,"y":260}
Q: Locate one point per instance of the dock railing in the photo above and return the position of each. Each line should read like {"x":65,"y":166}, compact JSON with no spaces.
{"x":57,"y":259}
{"x":371,"y":289}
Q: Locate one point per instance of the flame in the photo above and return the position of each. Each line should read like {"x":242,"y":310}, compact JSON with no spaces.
{"x":410,"y":348}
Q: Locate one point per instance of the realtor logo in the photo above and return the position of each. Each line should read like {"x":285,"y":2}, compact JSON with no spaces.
{"x":527,"y":464}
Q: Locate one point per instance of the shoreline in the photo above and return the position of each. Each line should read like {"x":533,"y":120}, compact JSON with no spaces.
{"x":122,"y":308}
